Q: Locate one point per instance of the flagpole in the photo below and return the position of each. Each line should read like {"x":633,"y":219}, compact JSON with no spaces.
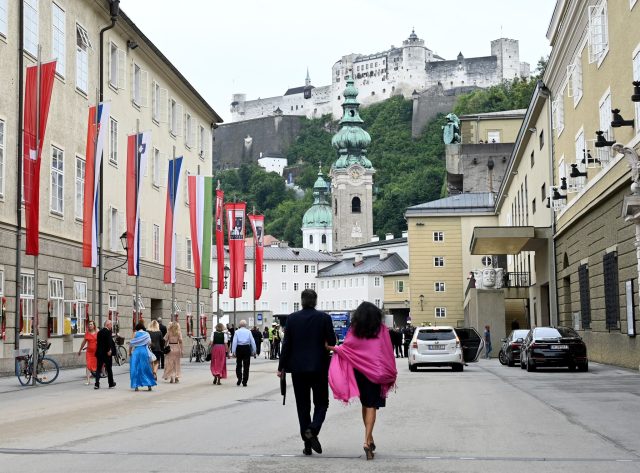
{"x":136,"y":263}
{"x":173,"y":237}
{"x":217,"y":259}
{"x":35,"y":322}
{"x":255,"y":268}
{"x":95,"y":152}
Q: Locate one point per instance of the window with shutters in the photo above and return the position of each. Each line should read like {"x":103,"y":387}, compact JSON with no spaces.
{"x":82,"y":59}
{"x":574,"y":71}
{"x":31,"y":27}
{"x":117,"y":64}
{"x":79,"y":190}
{"x":113,"y":141}
{"x":188,"y":130}
{"x":159,"y":103}
{"x":611,"y":292}
{"x":26,"y":301}
{"x":600,"y":157}
{"x":57,"y":181}
{"x":58,"y":40}
{"x":143,"y":239}
{"x":56,"y":304}
{"x":175,"y":117}
{"x":557,"y":107}
{"x":598,"y":32}
{"x":203,"y":142}
{"x":585,"y":296}
{"x":114,"y":233}
{"x":139,"y":82}
{"x":186,"y":187}
{"x":156,"y":243}
{"x":189,"y":255}
{"x":155,"y":168}
{"x":80,"y":299}
{"x":399,"y":286}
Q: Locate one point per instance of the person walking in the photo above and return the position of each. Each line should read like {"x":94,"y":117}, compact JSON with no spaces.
{"x":219,"y":350}
{"x":407,"y":333}
{"x":243,"y":348}
{"x":257,"y":337}
{"x":140,"y":366}
{"x":487,"y":341}
{"x":173,"y":339}
{"x":105,"y":348}
{"x":307,"y":334}
{"x":91,"y":342}
{"x":266,"y":344}
{"x":275,"y":343}
{"x":156,"y":345}
{"x":364,"y":367}
{"x":163,"y":331}
{"x":396,"y":341}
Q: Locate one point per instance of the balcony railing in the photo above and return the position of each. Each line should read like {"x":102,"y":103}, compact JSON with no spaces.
{"x":516,"y":279}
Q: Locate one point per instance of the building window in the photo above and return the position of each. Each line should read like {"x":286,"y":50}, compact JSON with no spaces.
{"x":57,"y":180}
{"x":611,"y":291}
{"x":58,"y":38}
{"x":307,"y":286}
{"x":355,"y":205}
{"x":604,"y":111}
{"x":2,"y":148}
{"x":313,"y":286}
{"x":295,"y":269}
{"x":541,"y":139}
{"x":203,"y":142}
{"x":114,"y":226}
{"x":441,"y":312}
{"x":296,"y":306}
{"x":117,"y":61}
{"x":438,"y":261}
{"x":158,"y":101}
{"x":438,"y":236}
{"x":323,"y":240}
{"x":543,"y":192}
{"x":113,"y":141}
{"x":79,"y":200}
{"x":189,"y":255}
{"x":557,"y":108}
{"x":113,"y":301}
{"x":585,"y":296}
{"x":312,"y":269}
{"x":56,"y":305}
{"x":283,"y":268}
{"x":598,"y":32}
{"x":377,"y":302}
{"x":156,"y":243}
{"x":574,"y":71}
{"x":245,"y":285}
{"x":26,"y":299}
{"x":284,"y":307}
{"x":155,"y":168}
{"x":3,"y":18}
{"x":311,"y":239}
{"x":486,"y":261}
{"x":306,"y":268}
{"x":82,"y":59}
{"x":296,"y":286}
{"x":139,"y":86}
{"x":376,"y":281}
{"x":188,"y":131}
{"x":31,"y":27}
{"x":399,"y":286}
{"x":438,"y":286}
{"x":80,"y":298}
{"x":175,"y":114}
{"x":493,"y":136}
{"x":264,"y":268}
{"x":264,"y":286}
{"x":533,"y":206}
{"x":283,"y":286}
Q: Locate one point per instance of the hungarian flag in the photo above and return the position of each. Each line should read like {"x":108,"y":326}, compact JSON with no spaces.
{"x":235,"y":227}
{"x":201,"y":212}
{"x":173,"y":188}
{"x":220,"y":238}
{"x":37,"y":97}
{"x":138,"y":147}
{"x":96,"y":132}
{"x":257,"y":226}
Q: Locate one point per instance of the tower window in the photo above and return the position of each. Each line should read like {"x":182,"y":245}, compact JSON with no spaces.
{"x":355,"y":205}
{"x":336,"y":206}
{"x":324,"y":239}
{"x":311,"y":239}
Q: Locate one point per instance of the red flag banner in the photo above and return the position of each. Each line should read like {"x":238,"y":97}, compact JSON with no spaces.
{"x":34,"y":127}
{"x":257,"y":226}
{"x":220,"y":238}
{"x":235,"y":227}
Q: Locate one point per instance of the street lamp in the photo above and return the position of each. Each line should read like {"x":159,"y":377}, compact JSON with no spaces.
{"x":421,"y":297}
{"x":218,"y":311}
{"x":123,"y":242}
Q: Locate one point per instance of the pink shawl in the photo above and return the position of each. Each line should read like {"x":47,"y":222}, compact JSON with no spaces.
{"x":373,"y":357}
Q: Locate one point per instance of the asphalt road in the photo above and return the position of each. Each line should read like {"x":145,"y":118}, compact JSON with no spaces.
{"x":488,"y":418}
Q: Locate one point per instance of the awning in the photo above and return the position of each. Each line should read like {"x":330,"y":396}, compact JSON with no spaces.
{"x":508,"y":240}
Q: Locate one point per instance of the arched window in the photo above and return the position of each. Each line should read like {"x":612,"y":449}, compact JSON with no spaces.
{"x":324,"y":239}
{"x":355,"y":205}
{"x":311,"y":239}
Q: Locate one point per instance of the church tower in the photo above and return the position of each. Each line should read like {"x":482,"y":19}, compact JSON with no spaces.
{"x":317,"y":222}
{"x":351,"y":177}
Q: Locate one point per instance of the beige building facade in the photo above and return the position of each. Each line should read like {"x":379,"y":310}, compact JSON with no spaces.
{"x":146,"y":93}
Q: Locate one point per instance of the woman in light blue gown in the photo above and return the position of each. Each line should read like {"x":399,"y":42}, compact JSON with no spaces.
{"x":140,"y":365}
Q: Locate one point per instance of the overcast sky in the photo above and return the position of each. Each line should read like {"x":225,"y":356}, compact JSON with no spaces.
{"x":261,"y":48}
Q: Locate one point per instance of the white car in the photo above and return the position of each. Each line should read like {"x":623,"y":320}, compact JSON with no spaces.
{"x":444,"y":346}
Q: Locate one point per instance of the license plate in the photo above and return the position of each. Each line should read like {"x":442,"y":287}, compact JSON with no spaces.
{"x":436,"y":347}
{"x":559,"y":347}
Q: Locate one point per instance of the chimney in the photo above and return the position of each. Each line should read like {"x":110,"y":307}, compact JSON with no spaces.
{"x":375,"y":238}
{"x":388,"y":236}
{"x":384,"y":254}
{"x":405,"y":234}
{"x":358,"y":259}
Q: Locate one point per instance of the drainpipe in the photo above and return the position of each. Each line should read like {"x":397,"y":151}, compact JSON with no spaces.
{"x":16,"y":328}
{"x":551,"y":245}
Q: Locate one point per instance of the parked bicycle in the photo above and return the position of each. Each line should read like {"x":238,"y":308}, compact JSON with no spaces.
{"x":198,"y":351}
{"x":120,"y":356}
{"x":47,"y":368}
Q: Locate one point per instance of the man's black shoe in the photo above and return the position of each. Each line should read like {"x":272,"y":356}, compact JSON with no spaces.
{"x":96,"y":386}
{"x":112,"y":385}
{"x":313,"y":441}
{"x":244,"y":384}
{"x":238,"y":383}
{"x":307,"y":450}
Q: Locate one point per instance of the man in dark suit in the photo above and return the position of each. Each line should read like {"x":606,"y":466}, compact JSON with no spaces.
{"x":163,"y":331}
{"x":105,"y":349}
{"x":305,"y":356}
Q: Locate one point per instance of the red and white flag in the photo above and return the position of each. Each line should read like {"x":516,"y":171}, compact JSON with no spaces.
{"x":236,"y":230}
{"x":220,"y":238}
{"x":257,"y":226}
{"x":96,"y":132}
{"x":38,"y":85}
{"x":138,"y":147}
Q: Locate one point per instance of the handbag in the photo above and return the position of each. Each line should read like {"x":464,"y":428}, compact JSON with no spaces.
{"x":167,"y":349}
{"x":208,"y":355}
{"x":152,"y":357}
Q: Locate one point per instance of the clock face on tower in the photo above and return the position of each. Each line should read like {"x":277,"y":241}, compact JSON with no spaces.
{"x":355,"y":172}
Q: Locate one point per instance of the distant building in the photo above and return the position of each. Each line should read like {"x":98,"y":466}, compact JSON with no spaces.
{"x":317,"y":223}
{"x":272,"y":163}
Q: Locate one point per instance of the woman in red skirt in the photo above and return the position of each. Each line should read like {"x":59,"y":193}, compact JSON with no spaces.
{"x":91,"y":341}
{"x":219,"y":349}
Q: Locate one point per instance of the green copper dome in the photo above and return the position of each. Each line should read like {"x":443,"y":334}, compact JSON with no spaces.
{"x":319,"y":215}
{"x":351,"y":141}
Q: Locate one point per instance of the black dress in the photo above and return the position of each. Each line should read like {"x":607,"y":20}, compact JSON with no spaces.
{"x":370,"y":393}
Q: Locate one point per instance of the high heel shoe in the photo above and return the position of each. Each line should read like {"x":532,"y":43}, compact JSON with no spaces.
{"x":368,"y":452}
{"x":372,"y":446}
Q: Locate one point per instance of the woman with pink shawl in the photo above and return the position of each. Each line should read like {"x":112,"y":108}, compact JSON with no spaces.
{"x":364,"y":367}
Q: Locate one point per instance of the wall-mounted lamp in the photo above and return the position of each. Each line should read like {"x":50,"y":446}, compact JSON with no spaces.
{"x":636,"y":91}
{"x":587,"y":158}
{"x":618,"y":121}
{"x":131,"y":44}
{"x":475,"y":161}
{"x":575,"y":172}
{"x":601,"y":141}
{"x":533,"y":130}
{"x":548,"y":204}
{"x":490,"y":164}
{"x":563,"y":184}
{"x":556,"y":195}
{"x":421,"y":297}
{"x":419,"y":224}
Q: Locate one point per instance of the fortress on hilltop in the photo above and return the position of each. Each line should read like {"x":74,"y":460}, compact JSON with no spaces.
{"x":401,"y":70}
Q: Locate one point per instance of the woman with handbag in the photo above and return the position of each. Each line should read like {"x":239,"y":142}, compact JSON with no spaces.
{"x":172,"y":353}
{"x":156,"y":346}
{"x":91,"y":341}
{"x":219,"y":349}
{"x":141,"y":358}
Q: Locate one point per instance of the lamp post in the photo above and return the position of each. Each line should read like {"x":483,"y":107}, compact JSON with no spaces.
{"x":421,"y":297}
{"x":218,"y":311}
{"x":123,"y":242}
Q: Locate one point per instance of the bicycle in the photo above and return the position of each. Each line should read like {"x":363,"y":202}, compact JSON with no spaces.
{"x":120,"y":356}
{"x":198,"y":350}
{"x":47,"y":372}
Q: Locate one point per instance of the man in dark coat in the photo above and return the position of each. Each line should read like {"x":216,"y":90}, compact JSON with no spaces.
{"x":163,"y":330}
{"x":105,"y":350}
{"x":408,"y":335}
{"x":257,"y":336}
{"x":305,"y":356}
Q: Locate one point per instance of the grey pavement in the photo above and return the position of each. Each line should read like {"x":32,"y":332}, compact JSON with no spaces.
{"x":488,"y":418}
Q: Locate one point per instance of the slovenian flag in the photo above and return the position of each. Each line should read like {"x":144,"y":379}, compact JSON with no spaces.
{"x":201,"y":213}
{"x":173,"y":188}
{"x":138,"y":146}
{"x":96,"y":132}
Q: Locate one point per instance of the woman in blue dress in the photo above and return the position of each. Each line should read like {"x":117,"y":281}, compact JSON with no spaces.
{"x":140,"y":365}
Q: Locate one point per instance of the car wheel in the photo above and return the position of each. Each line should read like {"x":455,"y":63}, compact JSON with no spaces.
{"x":458,"y":367}
{"x":583,"y":366}
{"x":502,"y":357}
{"x":530,"y":366}
{"x":413,"y":368}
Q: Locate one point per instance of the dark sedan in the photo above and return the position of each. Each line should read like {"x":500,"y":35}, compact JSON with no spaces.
{"x":553,"y":346}
{"x":510,"y":351}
